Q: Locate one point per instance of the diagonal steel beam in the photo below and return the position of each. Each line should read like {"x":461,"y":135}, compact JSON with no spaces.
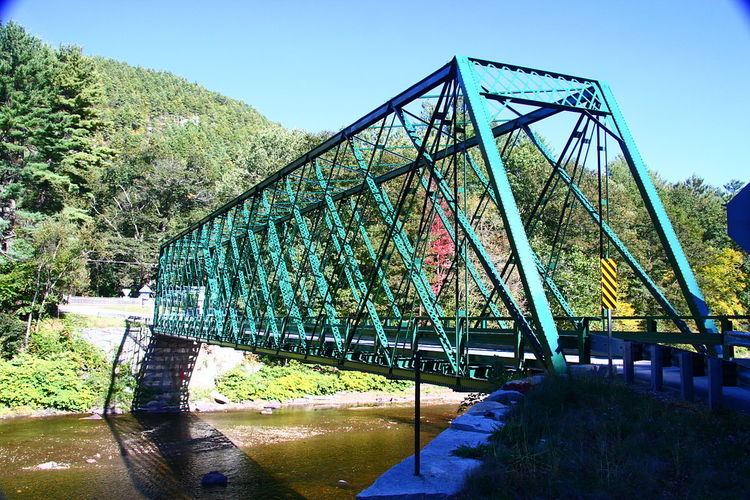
{"x":474,"y":242}
{"x":352,"y":270}
{"x":262,"y":280}
{"x":239,"y":256}
{"x":611,"y":235}
{"x":548,"y":280}
{"x":406,"y":252}
{"x":283,"y":280}
{"x":382,"y":278}
{"x":321,"y":283}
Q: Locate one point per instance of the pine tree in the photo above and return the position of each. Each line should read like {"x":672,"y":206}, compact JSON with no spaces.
{"x":25,"y":94}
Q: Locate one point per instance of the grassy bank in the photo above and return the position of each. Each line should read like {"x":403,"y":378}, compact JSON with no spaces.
{"x":587,"y":438}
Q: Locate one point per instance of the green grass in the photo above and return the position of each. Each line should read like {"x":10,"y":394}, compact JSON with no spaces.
{"x":588,"y":438}
{"x":82,"y":321}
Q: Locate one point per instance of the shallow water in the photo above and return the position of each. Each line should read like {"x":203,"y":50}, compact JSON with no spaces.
{"x":293,"y":453}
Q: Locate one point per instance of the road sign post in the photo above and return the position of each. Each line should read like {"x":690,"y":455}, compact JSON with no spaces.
{"x":417,"y":417}
{"x":609,"y":301}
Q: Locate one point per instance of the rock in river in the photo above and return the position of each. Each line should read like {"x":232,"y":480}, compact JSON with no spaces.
{"x":219,"y":397}
{"x":214,"y":478}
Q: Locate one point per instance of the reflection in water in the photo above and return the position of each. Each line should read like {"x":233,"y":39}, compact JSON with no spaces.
{"x":167,"y":455}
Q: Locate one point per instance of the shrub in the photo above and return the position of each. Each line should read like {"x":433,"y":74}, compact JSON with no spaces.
{"x":293,"y":380}
{"x":591,"y":438}
{"x":61,"y":370}
{"x":28,"y":381}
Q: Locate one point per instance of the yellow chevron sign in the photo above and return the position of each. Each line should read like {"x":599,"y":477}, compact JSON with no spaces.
{"x":609,"y":284}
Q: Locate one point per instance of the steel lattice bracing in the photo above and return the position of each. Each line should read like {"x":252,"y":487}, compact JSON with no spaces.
{"x":333,"y":259}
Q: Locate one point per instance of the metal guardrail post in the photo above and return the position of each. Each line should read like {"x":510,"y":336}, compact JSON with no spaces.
{"x":687,"y":389}
{"x":584,"y":343}
{"x":627,"y":362}
{"x":714,"y":383}
{"x":657,"y":376}
{"x":727,"y":351}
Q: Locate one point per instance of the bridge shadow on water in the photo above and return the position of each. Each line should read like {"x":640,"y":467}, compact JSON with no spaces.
{"x":167,"y":455}
{"x":166,"y":449}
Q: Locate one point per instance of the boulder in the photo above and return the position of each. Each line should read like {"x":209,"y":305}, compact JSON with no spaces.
{"x":219,"y":398}
{"x":51,"y":466}
{"x":202,"y":406}
{"x":214,"y":478}
{"x":93,"y":416}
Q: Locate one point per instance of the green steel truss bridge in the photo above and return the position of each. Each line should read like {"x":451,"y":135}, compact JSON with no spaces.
{"x":404,"y":232}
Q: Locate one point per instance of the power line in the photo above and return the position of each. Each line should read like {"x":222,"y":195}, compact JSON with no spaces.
{"x":131,"y":263}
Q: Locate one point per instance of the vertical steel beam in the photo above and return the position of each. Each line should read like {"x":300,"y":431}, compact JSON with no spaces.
{"x":534,"y":290}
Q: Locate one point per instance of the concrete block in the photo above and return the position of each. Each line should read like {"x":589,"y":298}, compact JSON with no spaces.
{"x":489,"y":409}
{"x":687,"y":388}
{"x":505,"y":397}
{"x":475,"y":423}
{"x":628,"y":358}
{"x":657,"y":373}
{"x":442,"y":473}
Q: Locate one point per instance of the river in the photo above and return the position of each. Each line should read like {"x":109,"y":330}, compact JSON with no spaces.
{"x":293,"y":453}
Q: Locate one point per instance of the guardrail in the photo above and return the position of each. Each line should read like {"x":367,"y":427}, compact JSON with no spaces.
{"x":75,"y":299}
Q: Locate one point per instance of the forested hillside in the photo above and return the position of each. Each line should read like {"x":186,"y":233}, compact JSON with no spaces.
{"x":101,"y":161}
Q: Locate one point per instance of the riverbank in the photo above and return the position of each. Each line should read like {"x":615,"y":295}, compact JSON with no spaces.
{"x":588,"y":437}
{"x":579,"y":436}
{"x":431,"y":395}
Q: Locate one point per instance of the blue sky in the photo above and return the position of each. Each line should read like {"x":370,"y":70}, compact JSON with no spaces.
{"x":680,"y":69}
